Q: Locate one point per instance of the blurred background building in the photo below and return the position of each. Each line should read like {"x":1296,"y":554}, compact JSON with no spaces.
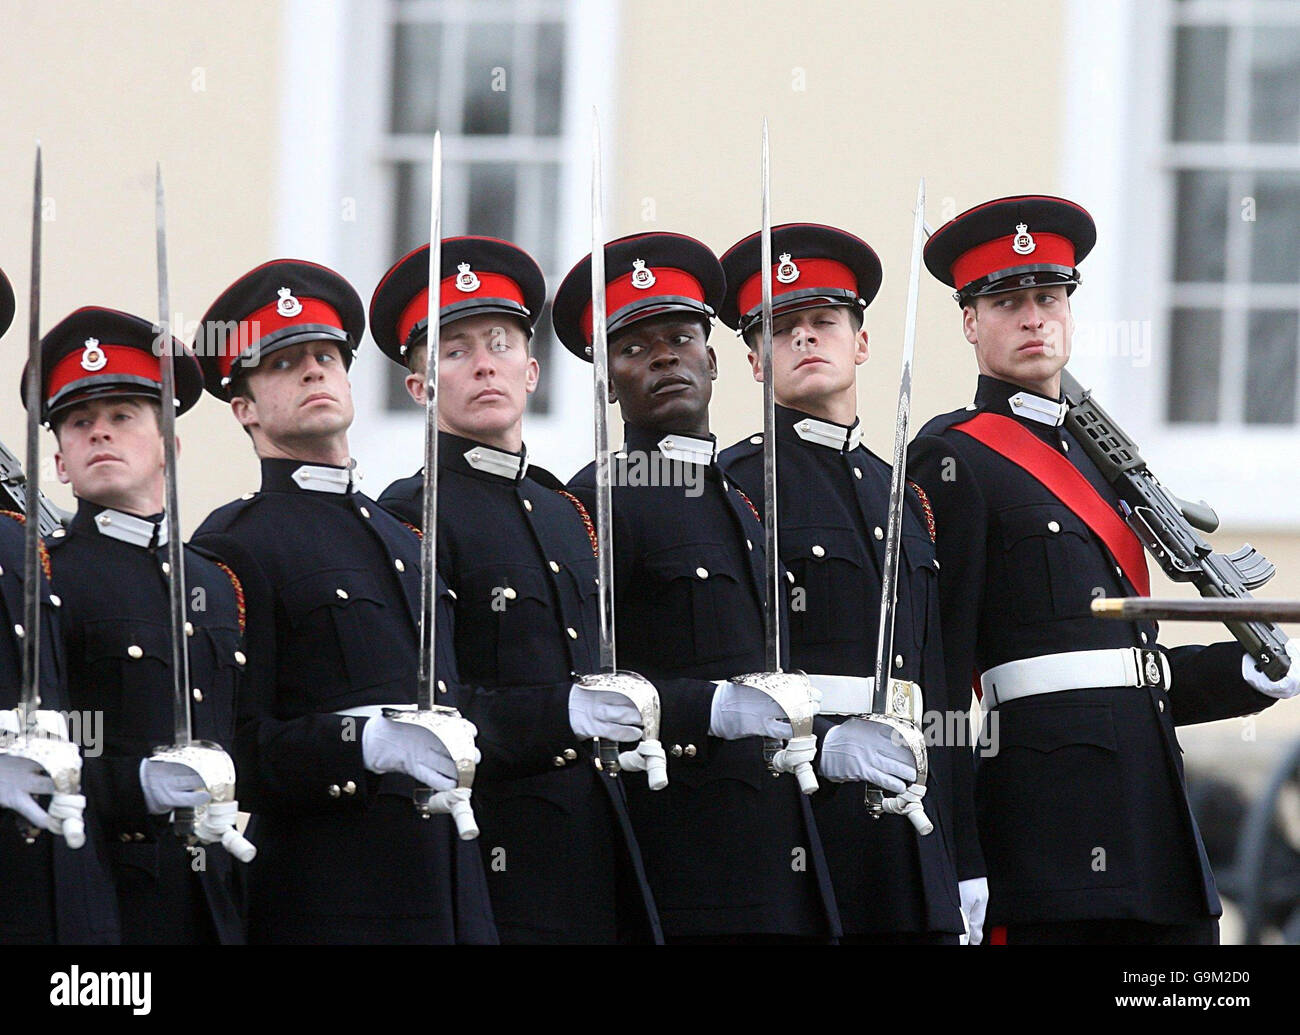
{"x":303,"y":127}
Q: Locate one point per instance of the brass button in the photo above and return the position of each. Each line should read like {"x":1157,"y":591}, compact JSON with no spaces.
{"x":702,"y":572}
{"x":570,"y":754}
{"x":342,"y":594}
{"x":124,"y":837}
{"x":364,"y":513}
{"x":55,"y":599}
{"x":819,"y":551}
{"x":558,"y":760}
{"x":1065,"y":446}
{"x":18,"y":631}
{"x":857,"y":472}
{"x":898,"y":661}
{"x":748,"y":545}
{"x":334,"y":790}
{"x":573,"y":633}
{"x":667,"y":443}
{"x":452,"y":593}
{"x":528,"y":505}
{"x":138,"y":836}
{"x":189,"y":628}
{"x":1160,"y":705}
{"x":690,"y":751}
{"x":246,"y":496}
{"x":756,"y":440}
{"x":442,"y":687}
{"x":878,"y":532}
{"x":198,"y":694}
{"x":166,"y":568}
{"x":554,"y":567}
{"x":1053,"y":526}
{"x":240,"y":659}
{"x":676,"y":751}
{"x":1142,"y":637}
{"x":135,"y":651}
{"x":349,"y":788}
{"x":509,"y":593}
{"x":725,"y":486}
{"x":59,"y":533}
{"x":397,"y":563}
{"x":790,"y":575}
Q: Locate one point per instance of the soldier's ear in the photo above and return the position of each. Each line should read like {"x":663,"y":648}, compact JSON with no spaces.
{"x":245,"y":411}
{"x":533,"y":375}
{"x":60,"y":468}
{"x":970,"y":324}
{"x":713,"y":362}
{"x":415,"y":387}
{"x":861,"y":351}
{"x":755,"y":365}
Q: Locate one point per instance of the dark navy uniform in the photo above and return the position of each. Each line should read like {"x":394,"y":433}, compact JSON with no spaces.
{"x":108,"y":572}
{"x":1084,"y":770}
{"x":834,"y":500}
{"x":53,"y":894}
{"x":518,"y":555}
{"x":333,"y":586}
{"x":730,"y":850}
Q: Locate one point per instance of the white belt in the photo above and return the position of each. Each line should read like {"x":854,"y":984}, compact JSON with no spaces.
{"x":844,"y":695}
{"x":373,"y":711}
{"x":1074,"y":670}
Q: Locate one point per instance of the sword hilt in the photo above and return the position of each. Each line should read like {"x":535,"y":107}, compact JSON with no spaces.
{"x":607,"y":757}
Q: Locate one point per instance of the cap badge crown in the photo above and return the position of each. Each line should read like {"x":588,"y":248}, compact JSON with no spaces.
{"x":287,"y":305}
{"x":466,"y":279}
{"x":1023,"y":243}
{"x":641,"y":277}
{"x":787,"y":272}
{"x":92,"y":356}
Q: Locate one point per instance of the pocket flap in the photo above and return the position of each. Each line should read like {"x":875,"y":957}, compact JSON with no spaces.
{"x":1042,"y":726}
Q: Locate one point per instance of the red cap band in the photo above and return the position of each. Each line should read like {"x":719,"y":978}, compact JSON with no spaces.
{"x":120,"y":360}
{"x":269,"y":320}
{"x":993,"y":256}
{"x":490,"y":285}
{"x":813,"y":274}
{"x":668,"y":282}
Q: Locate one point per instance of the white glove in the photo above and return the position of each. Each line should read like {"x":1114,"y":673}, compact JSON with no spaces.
{"x":216,"y":823}
{"x":603,"y":714}
{"x":1287,"y":686}
{"x":740,"y":711}
{"x":171,"y":785}
{"x":20,"y":779}
{"x":858,"y":750}
{"x":403,"y":747}
{"x":974,"y":894}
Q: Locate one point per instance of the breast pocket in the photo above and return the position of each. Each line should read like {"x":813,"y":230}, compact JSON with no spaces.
{"x":215,"y":669}
{"x":694,"y":600}
{"x":829,"y":599}
{"x":526,"y":626}
{"x":1046,"y":549}
{"x":918,"y":586}
{"x":129,"y":663}
{"x":337,"y":618}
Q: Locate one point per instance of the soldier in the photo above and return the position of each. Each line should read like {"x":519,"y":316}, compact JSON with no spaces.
{"x":333,"y":587}
{"x":518,"y":555}
{"x":102,"y":382}
{"x":53,"y":893}
{"x":733,"y":854}
{"x":1082,"y":812}
{"x":891,"y":884}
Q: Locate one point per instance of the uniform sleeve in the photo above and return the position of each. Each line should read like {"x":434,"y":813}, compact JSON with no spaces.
{"x":285,"y":765}
{"x":1207,"y":685}
{"x":960,"y":518}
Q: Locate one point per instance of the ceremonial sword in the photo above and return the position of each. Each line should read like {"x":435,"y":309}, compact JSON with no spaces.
{"x":59,"y":758}
{"x":897,"y":703}
{"x":636,"y":688}
{"x":447,"y":724}
{"x":209,"y":760}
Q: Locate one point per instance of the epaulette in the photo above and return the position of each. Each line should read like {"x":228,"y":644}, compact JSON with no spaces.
{"x":746,"y":447}
{"x":40,"y":543}
{"x":938,"y":425}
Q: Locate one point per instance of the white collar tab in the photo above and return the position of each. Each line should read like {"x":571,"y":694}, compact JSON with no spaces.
{"x":128,"y":528}
{"x":494,"y":461}
{"x":687,"y":449}
{"x":1036,"y":408}
{"x":323,"y":479}
{"x":826,"y":433}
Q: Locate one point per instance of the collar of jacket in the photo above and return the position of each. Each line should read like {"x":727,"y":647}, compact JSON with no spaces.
{"x":818,"y":432}
{"x":126,"y":528}
{"x":689,"y":449}
{"x":295,"y":476}
{"x":1002,"y":397}
{"x":464,"y":454}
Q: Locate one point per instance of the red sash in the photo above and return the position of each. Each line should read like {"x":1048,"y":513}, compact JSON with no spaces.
{"x":1064,"y":481}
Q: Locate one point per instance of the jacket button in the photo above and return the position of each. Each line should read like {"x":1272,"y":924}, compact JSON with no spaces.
{"x":748,"y":545}
{"x":573,"y":633}
{"x":857,"y":473}
{"x":334,"y":791}
{"x":690,"y":751}
{"x":240,"y":658}
{"x":198,"y":694}
{"x":124,"y":837}
{"x":1053,"y":526}
{"x":135,"y":651}
{"x":442,"y":687}
{"x":756,"y":440}
{"x":898,"y":661}
{"x":349,"y":788}
{"x":528,"y":505}
{"x":878,"y":532}
{"x":397,"y":563}
{"x":702,"y":572}
{"x":1065,"y":446}
{"x":570,"y":754}
{"x":1160,"y":705}
{"x":554,"y":567}
{"x":166,"y":568}
{"x":790,"y":575}
{"x":55,"y":599}
{"x":819,"y":551}
{"x":18,"y":631}
{"x":138,"y":835}
{"x":509,"y":593}
{"x":246,"y":496}
{"x":342,"y":594}
{"x":364,"y":513}
{"x":189,"y":628}
{"x":676,"y":751}
{"x":452,"y":593}
{"x":558,"y":761}
{"x":1143,"y":637}
{"x":725,"y":486}
{"x":667,"y":443}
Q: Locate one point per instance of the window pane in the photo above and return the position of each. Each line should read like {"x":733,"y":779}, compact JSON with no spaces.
{"x":1275,"y":85}
{"x":1202,"y":226}
{"x":549,"y":86}
{"x":1271,"y":367}
{"x":544,"y":351}
{"x":1194,"y":348}
{"x":411,"y":207}
{"x":488,"y":48}
{"x":1200,"y":66}
{"x":1275,"y":233}
{"x":417,"y":59}
{"x":491,"y":199}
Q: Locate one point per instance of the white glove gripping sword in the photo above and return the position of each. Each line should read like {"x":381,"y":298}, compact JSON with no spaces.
{"x":897,"y":703}
{"x":214,"y":821}
{"x":447,"y":724}
{"x":59,"y":758}
{"x":649,"y":754}
{"x":790,"y":691}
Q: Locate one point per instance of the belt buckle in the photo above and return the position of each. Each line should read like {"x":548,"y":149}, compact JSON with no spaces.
{"x":1149,"y":667}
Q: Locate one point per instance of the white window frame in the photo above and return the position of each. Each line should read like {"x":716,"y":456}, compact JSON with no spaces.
{"x":1116,"y":161}
{"x":335,"y":108}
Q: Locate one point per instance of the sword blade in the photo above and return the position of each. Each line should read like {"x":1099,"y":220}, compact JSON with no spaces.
{"x":772,"y":609}
{"x":31,"y":691}
{"x":600,"y":389}
{"x":898,"y":480}
{"x":433,"y":339}
{"x":163,"y":345}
